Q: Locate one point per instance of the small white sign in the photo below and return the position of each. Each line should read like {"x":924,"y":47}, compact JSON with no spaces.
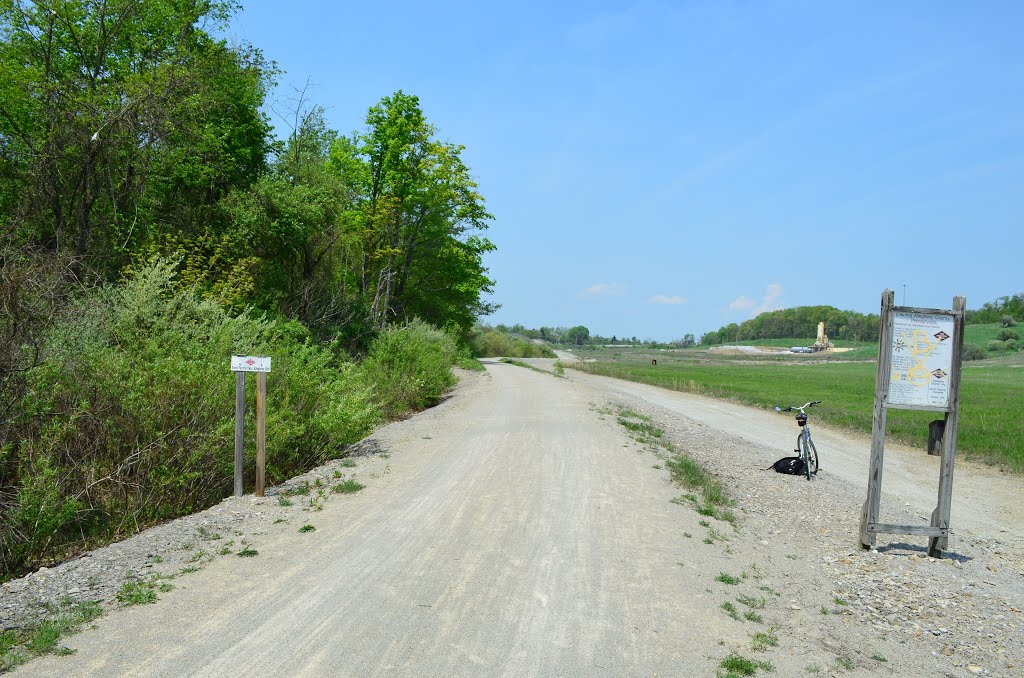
{"x":249,"y":363}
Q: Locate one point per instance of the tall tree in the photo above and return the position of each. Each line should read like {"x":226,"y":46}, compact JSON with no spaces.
{"x":419,"y":219}
{"x":121,"y":120}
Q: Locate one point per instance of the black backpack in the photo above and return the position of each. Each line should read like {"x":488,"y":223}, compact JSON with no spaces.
{"x":793,"y":466}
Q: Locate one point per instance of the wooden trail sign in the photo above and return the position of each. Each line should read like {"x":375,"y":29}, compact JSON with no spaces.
{"x":919,"y":358}
{"x":240,"y":364}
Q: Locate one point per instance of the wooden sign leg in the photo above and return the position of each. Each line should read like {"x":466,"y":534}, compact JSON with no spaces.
{"x":936,"y":545}
{"x":872,"y":506}
{"x":261,"y":431}
{"x":239,"y":430}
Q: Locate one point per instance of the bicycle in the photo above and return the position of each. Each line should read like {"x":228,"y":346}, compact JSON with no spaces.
{"x":804,"y":445}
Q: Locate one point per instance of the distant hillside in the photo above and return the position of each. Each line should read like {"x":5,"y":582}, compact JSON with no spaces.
{"x":801,"y":321}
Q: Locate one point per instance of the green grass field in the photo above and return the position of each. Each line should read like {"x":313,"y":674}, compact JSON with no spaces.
{"x":992,"y":395}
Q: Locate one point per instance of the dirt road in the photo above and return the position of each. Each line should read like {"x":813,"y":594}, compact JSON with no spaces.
{"x":986,"y":501}
{"x":516,"y":530}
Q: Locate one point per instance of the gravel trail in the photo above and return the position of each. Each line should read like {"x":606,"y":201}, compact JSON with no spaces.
{"x":517,"y":530}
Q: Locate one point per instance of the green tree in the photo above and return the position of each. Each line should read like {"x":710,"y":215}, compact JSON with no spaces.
{"x":577,"y":335}
{"x":417,"y":217}
{"x":122,"y":120}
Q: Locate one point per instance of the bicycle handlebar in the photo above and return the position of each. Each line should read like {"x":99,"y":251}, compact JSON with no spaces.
{"x":797,"y":407}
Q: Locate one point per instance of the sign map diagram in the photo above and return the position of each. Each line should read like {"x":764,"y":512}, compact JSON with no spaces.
{"x":922,"y":358}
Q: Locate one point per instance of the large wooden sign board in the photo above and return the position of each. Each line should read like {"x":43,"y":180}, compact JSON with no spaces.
{"x":919,"y":358}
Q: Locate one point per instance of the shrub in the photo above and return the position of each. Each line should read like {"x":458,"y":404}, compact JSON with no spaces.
{"x":130,"y":419}
{"x":409,"y":367}
{"x":1005,"y":335}
{"x":973,"y":352}
{"x":489,"y":343}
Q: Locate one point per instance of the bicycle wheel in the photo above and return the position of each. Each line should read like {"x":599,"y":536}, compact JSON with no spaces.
{"x":810,"y":455}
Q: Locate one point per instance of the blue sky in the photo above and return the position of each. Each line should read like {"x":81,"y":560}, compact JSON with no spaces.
{"x":662,"y":168}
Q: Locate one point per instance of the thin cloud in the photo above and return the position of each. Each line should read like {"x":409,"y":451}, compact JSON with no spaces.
{"x":770,"y":301}
{"x":741,"y":303}
{"x":603,"y":290}
{"x":667,"y":299}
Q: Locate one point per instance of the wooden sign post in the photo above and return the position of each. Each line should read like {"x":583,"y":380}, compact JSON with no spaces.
{"x":919,"y":359}
{"x":240,"y":364}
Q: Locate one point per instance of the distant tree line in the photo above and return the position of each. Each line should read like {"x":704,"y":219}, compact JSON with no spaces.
{"x":579,"y":335}
{"x":799,"y":322}
{"x":1007,"y":311}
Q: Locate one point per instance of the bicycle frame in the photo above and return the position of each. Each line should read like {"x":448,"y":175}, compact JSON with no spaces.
{"x":805,"y":448}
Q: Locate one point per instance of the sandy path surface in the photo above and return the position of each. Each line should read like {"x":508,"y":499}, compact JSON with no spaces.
{"x":515,"y":538}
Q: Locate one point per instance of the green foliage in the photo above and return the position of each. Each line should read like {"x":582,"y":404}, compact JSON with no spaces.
{"x":152,"y":228}
{"x":762,"y":641}
{"x":409,"y":367}
{"x":307,"y":528}
{"x":801,"y":321}
{"x":130,"y":421}
{"x":489,"y":343}
{"x":18,"y":645}
{"x":248,"y":552}
{"x":120,"y":115}
{"x":136,"y":592}
{"x":727,"y":579}
{"x":1006,"y":335}
{"x":348,"y":487}
{"x":973,"y":352}
{"x":576,"y":336}
{"x":1006,"y":310}
{"x":741,"y":666}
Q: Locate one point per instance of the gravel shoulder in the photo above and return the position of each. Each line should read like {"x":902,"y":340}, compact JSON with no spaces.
{"x":516,"y":529}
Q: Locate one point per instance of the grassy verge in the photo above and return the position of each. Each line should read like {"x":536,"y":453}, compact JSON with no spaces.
{"x":685,"y":472}
{"x":19,"y":645}
{"x":470,"y":364}
{"x":991,"y":398}
{"x":520,"y":363}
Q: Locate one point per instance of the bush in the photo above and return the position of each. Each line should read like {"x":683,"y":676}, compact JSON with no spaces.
{"x":410,"y":367}
{"x":1008,"y":321}
{"x":973,"y":352}
{"x":489,"y":343}
{"x":1005,"y":335}
{"x":130,"y":419}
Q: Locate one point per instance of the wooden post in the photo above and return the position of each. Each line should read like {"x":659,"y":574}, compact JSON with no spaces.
{"x":239,"y":429}
{"x":940,"y":517}
{"x":935,"y":430}
{"x":261,"y":431}
{"x":872,"y":507}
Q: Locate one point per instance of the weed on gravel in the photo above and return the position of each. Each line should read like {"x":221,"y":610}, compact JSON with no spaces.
{"x":737,"y":665}
{"x":348,"y":487}
{"x":727,"y":579}
{"x":248,"y":552}
{"x":753,"y":603}
{"x":136,"y":592}
{"x":683,"y":470}
{"x":763,"y":640}
{"x":307,"y":528}
{"x":19,"y":644}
